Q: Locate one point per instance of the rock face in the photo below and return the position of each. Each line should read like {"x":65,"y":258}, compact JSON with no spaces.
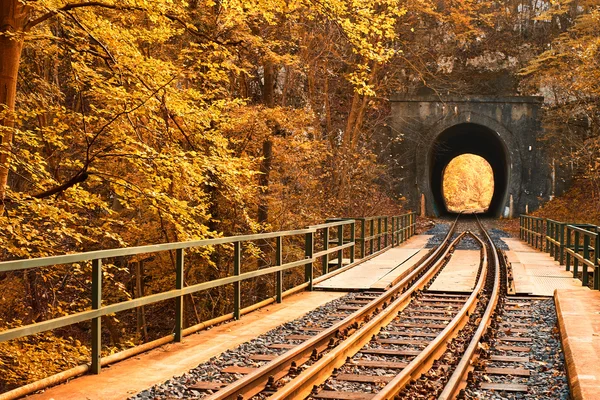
{"x":427,"y":132}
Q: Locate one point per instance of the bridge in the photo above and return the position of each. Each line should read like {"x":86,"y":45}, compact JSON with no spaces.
{"x":389,"y":300}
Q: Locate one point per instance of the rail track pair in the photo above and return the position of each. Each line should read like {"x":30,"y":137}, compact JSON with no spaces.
{"x":406,"y":342}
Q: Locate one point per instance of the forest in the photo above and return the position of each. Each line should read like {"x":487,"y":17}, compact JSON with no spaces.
{"x":134,"y":122}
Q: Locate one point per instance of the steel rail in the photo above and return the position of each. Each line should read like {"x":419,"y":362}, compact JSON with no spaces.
{"x":458,"y":379}
{"x":256,"y":381}
{"x":423,"y":362}
{"x":302,"y":385}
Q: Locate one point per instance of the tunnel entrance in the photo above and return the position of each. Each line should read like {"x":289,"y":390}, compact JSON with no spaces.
{"x":474,"y":139}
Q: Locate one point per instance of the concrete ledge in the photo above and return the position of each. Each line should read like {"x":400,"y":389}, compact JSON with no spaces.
{"x":579,"y":323}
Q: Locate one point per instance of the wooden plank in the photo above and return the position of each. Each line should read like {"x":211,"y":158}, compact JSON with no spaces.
{"x":282,"y":346}
{"x":298,"y":337}
{"x":513,"y":348}
{"x":409,"y":333}
{"x":427,"y":317}
{"x":350,"y":308}
{"x":359,"y":301}
{"x":403,"y":341}
{"x":509,"y":359}
{"x":518,"y":324}
{"x":331,"y":394}
{"x":431,"y":311}
{"x":312,"y":328}
{"x":427,"y":294}
{"x":517,"y":315}
{"x":363,"y":378}
{"x":379,"y":364}
{"x":263,"y":357}
{"x":234,"y":369}
{"x":515,"y":330}
{"x":507,"y":387}
{"x":390,"y":352}
{"x":426,"y":300}
{"x":515,"y":339}
{"x":446,"y":306}
{"x":202,"y":385}
{"x":507,"y":371}
{"x":412,"y":325}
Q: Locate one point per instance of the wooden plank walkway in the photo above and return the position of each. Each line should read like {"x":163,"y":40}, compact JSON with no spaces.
{"x":460,"y":273}
{"x":380,"y":272}
{"x":537,"y":273}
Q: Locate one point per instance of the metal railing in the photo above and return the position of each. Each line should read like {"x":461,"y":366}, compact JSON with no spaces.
{"x":345,"y":240}
{"x":571,"y":244}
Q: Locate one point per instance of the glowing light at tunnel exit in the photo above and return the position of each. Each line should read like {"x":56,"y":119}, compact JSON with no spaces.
{"x":468,"y":184}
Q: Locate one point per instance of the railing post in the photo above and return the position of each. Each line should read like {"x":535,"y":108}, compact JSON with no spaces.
{"x":325,"y":258}
{"x":179,"y":305}
{"x":561,"y":258}
{"x":353,"y":240}
{"x":340,"y":253}
{"x":568,"y":247}
{"x":363,"y":243}
{"x":586,"y":256}
{"x":387,"y":232}
{"x":548,"y":250}
{"x":379,"y":233}
{"x":575,"y":259}
{"x":278,"y":262}
{"x":308,"y":254}
{"x":96,"y":322}
{"x":372,"y":240}
{"x":237,"y":286}
{"x":596,"y":262}
{"x":393,"y":231}
{"x":521,"y":227}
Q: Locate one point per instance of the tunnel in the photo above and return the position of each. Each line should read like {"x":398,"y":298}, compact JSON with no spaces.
{"x":475,"y":139}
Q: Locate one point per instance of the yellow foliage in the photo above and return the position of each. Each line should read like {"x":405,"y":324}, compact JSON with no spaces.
{"x":468,"y":184}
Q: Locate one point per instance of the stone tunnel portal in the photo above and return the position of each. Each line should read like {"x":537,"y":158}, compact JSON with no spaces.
{"x":476,"y":139}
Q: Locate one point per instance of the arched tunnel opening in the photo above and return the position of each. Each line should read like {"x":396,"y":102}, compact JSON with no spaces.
{"x":474,"y":139}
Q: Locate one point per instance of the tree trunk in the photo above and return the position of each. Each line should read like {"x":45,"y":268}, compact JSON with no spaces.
{"x":13,"y":16}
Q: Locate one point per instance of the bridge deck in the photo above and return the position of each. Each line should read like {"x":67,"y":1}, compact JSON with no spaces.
{"x":537,"y":273}
{"x":382,"y":271}
{"x":133,"y":375}
{"x":460,"y":274}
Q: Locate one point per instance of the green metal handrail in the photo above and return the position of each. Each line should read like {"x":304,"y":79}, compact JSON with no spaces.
{"x":569,"y":244}
{"x":345,"y":242}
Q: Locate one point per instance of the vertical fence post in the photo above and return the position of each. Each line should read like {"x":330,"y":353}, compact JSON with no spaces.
{"x":521,"y":227}
{"x":393,"y":231}
{"x":325,"y":258}
{"x":237,"y":286}
{"x":379,"y":233}
{"x":179,"y":305}
{"x":363,"y":243}
{"x":586,"y":256}
{"x":372,"y":241}
{"x":597,"y":262}
{"x":568,"y":247}
{"x":548,"y":250}
{"x":561,"y":258}
{"x":575,"y":259}
{"x":353,"y":240}
{"x":96,"y":322}
{"x":340,"y":253}
{"x":278,"y":262}
{"x":308,"y":254}
{"x":387,"y":232}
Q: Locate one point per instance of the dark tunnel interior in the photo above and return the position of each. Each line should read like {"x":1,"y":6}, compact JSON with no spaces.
{"x":469,"y":138}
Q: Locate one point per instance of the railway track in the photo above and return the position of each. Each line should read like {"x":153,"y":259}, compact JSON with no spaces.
{"x":382,"y":343}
